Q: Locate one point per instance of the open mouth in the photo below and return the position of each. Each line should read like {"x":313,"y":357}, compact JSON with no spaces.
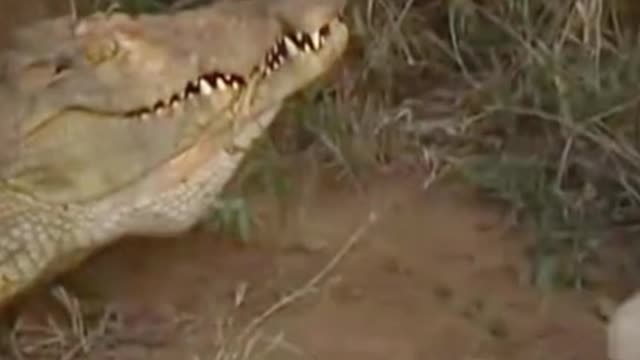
{"x":289,"y":45}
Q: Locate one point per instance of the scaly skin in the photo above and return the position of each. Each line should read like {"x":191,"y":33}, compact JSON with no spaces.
{"x":116,"y":126}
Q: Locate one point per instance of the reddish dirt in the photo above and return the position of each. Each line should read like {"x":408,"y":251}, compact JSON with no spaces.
{"x":438,"y":277}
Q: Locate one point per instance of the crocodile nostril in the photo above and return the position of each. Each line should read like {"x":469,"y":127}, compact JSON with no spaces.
{"x":61,"y":64}
{"x":325,"y":30}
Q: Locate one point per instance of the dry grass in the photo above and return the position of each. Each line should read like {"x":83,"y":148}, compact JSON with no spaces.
{"x":75,"y":334}
{"x":533,"y":101}
{"x":243,"y":345}
{"x":558,"y":83}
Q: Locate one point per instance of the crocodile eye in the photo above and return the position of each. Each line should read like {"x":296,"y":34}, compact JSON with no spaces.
{"x":61,"y":65}
{"x":100,"y":50}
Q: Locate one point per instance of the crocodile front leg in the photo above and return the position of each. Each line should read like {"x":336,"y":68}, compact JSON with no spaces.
{"x":37,"y":242}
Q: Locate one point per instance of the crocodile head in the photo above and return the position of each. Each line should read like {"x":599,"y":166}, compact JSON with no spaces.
{"x":116,"y":125}
{"x":135,"y":92}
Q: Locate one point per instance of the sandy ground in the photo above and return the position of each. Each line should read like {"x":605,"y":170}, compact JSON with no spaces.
{"x":436,"y":276}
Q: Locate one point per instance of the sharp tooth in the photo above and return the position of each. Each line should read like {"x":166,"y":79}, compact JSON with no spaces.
{"x":174,"y":101}
{"x":292,"y":49}
{"x":316,"y":40}
{"x":220,"y":83}
{"x":300,"y":37}
{"x":191,"y":90}
{"x":159,"y":104}
{"x":229,"y":79}
{"x":205,"y":87}
{"x":281,"y":48}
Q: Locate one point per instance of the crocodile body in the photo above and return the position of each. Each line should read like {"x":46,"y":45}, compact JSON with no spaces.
{"x":112,"y":125}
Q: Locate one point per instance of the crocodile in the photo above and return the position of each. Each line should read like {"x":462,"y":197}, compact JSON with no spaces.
{"x":117,"y":125}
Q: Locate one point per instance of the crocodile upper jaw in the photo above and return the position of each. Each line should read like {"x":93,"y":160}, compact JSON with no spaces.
{"x":98,"y":121}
